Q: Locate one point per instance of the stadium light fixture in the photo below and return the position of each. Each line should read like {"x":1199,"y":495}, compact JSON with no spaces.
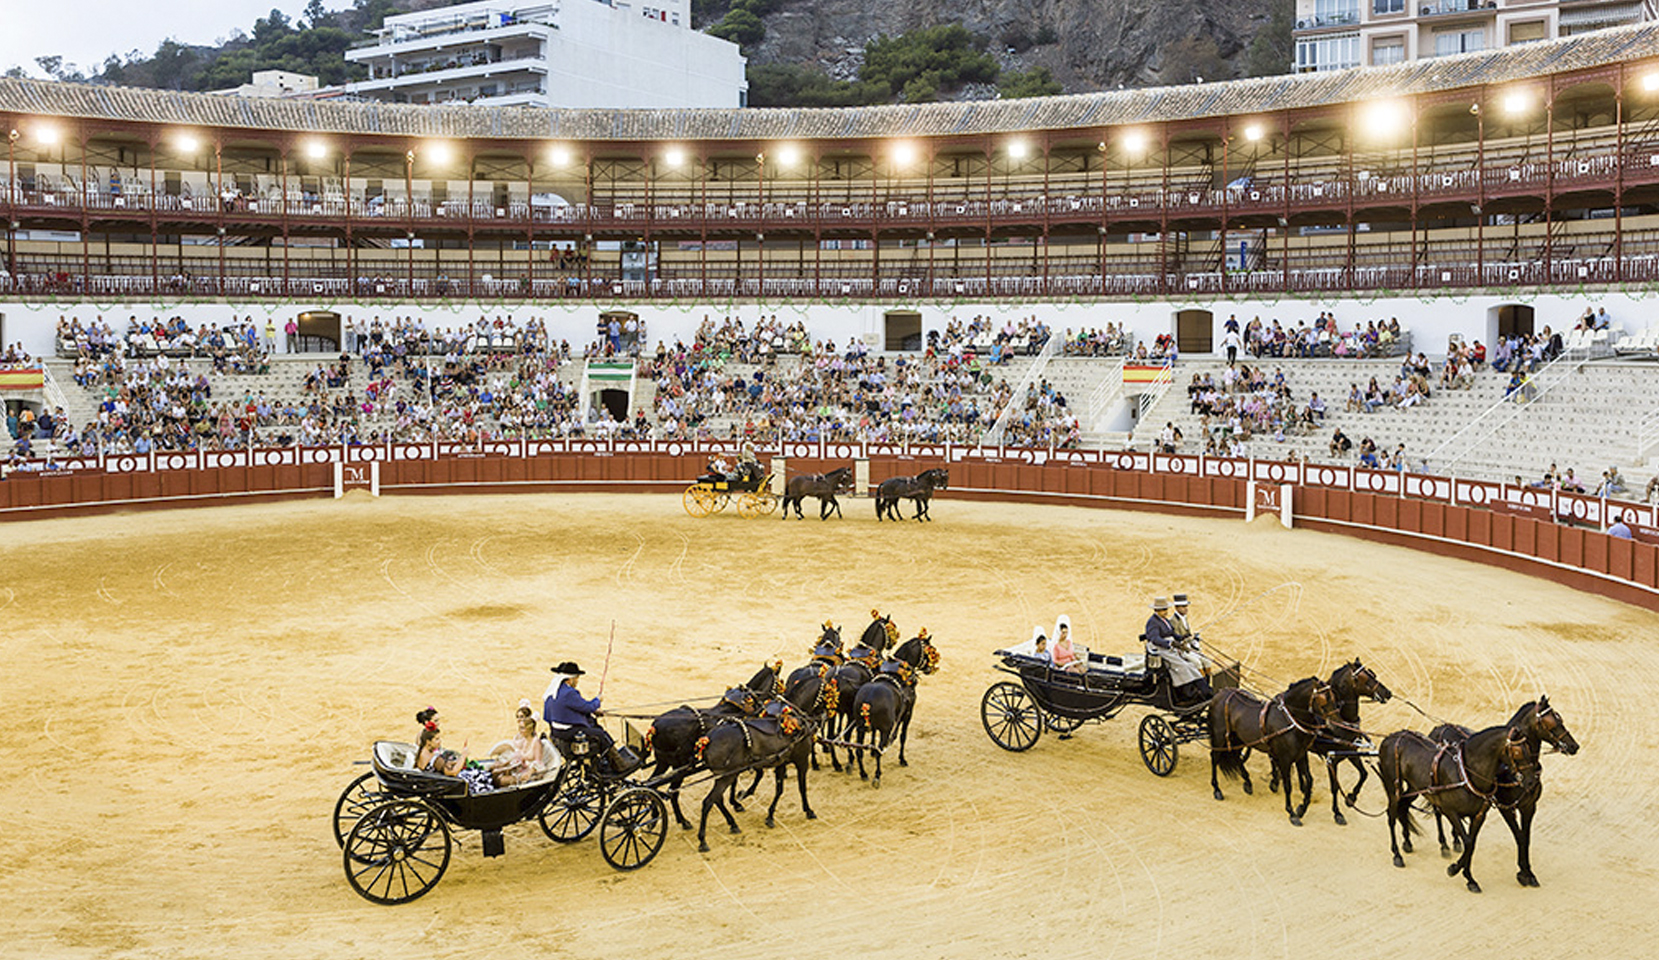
{"x":1134,"y":142}
{"x":788,"y":155}
{"x":1017,"y":149}
{"x":438,"y":153}
{"x":1516,"y":103}
{"x":675,"y":157}
{"x":1650,"y":81}
{"x":904,"y":154}
{"x":560,"y":156}
{"x":187,"y":143}
{"x":1384,"y":119}
{"x":316,"y":149}
{"x":47,"y":135}
{"x":1253,"y":132}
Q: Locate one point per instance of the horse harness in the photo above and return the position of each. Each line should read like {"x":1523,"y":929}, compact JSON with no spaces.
{"x":1515,"y":753}
{"x":1261,"y":724}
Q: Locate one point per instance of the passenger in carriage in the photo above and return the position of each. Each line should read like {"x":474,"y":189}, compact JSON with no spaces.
{"x":1064,"y":656}
{"x":1039,"y":644}
{"x":719,"y":470}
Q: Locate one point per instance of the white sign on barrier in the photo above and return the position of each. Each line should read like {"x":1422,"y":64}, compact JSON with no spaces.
{"x":1268,"y":498}
{"x":357,"y":476}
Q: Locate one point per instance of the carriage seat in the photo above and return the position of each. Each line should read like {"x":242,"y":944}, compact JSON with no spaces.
{"x":552,"y":759}
{"x":394,"y":765}
{"x":394,"y":755}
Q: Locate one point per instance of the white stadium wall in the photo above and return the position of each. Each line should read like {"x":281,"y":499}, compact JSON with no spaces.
{"x":1430,"y":320}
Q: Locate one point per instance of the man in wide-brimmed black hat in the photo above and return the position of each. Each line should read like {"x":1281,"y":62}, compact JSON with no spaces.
{"x":567,"y":711}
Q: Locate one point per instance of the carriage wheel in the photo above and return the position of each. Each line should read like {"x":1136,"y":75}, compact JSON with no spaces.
{"x":636,"y":824}
{"x":697,"y":501}
{"x":397,"y":851}
{"x":1159,"y":748}
{"x":359,"y":795}
{"x":1062,"y":725}
{"x":719,"y":502}
{"x":1011,"y":717}
{"x":752,"y":505}
{"x":574,"y":813}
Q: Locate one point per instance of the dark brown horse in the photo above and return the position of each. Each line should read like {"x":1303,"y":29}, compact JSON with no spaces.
{"x":862,"y":662}
{"x":1538,"y":721}
{"x":1342,"y":739}
{"x":671,"y":740}
{"x":824,"y":486}
{"x":827,"y":656}
{"x":883,"y":707}
{"x":1460,"y":779}
{"x":775,"y":739}
{"x":1285,"y":727}
{"x":918,"y":488}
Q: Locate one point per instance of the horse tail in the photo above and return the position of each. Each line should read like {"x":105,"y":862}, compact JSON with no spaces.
{"x":1227,"y":756}
{"x":702,"y":744}
{"x":1408,"y":823}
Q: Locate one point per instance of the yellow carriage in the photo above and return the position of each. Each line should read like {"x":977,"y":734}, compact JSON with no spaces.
{"x":709,"y":496}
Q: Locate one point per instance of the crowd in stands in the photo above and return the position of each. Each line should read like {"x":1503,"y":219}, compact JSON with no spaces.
{"x":983,"y":338}
{"x":1323,"y":338}
{"x":1044,"y":419}
{"x":1092,"y":342}
{"x":1246,"y":402}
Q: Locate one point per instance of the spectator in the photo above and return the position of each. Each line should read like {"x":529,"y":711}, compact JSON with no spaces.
{"x":1621,"y":527}
{"x":1340,"y":444}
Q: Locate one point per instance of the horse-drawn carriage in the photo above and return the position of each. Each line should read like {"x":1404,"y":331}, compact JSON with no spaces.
{"x":1046,"y":696}
{"x":395,"y":824}
{"x":710,"y":495}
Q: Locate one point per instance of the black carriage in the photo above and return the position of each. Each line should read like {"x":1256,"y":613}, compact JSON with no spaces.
{"x":395,"y":824}
{"x":1045,"y":696}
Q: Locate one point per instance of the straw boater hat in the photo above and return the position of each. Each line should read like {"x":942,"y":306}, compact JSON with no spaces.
{"x":1159,"y":603}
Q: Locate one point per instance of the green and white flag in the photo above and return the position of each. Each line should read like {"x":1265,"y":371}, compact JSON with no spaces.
{"x":610,"y":372}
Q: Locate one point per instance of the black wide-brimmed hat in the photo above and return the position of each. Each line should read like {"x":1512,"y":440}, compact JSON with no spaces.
{"x":568,"y":669}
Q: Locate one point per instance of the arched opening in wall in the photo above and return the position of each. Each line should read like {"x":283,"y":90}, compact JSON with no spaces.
{"x":1513,"y":319}
{"x":1194,"y":330}
{"x":903,"y":329}
{"x":320,"y":332}
{"x":615,"y":403}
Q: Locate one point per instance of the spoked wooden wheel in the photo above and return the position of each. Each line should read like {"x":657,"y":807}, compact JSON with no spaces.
{"x":1012,"y":719}
{"x":397,"y":851}
{"x":636,"y":824}
{"x":1062,"y":725}
{"x":719,"y":501}
{"x":752,"y":505}
{"x":1159,"y":749}
{"x":358,"y":798}
{"x":698,"y":501}
{"x":574,"y":813}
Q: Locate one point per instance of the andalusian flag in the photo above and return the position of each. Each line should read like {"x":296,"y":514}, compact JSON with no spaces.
{"x":1145,"y":372}
{"x":22,"y":379}
{"x":610,"y":372}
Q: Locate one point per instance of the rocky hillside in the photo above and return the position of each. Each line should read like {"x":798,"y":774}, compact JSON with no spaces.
{"x":1087,"y":45}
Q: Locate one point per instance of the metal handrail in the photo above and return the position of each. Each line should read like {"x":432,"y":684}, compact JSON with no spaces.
{"x":993,"y":437}
{"x":1647,"y":435}
{"x":1509,"y":406}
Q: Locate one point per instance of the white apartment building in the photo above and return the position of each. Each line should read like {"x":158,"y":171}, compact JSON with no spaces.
{"x":1338,"y":34}
{"x":567,"y":53}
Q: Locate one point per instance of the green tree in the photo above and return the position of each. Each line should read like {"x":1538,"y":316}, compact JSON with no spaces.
{"x":1032,"y":83}
{"x":1272,"y":51}
{"x":924,"y":63}
{"x":740,"y":27}
{"x":315,"y":14}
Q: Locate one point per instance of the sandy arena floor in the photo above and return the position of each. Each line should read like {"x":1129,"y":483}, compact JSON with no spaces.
{"x":190,"y":689}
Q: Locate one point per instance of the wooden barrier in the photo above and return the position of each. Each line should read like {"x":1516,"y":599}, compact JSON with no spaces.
{"x":1523,"y":529}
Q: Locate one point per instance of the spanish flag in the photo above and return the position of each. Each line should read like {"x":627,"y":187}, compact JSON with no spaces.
{"x":1145,"y":372}
{"x":22,"y":379}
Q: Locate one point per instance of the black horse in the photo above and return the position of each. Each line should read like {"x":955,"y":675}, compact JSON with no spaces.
{"x":827,"y":657}
{"x":862,"y":662}
{"x":1285,"y":727}
{"x":883,"y":707}
{"x":824,"y":486}
{"x":918,"y":488}
{"x":1537,"y":721}
{"x":672,"y":737}
{"x":1460,"y":779}
{"x":1342,"y":739}
{"x":778,"y":737}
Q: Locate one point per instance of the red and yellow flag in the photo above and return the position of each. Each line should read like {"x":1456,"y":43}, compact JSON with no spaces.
{"x":22,"y":379}
{"x":1144,"y":372}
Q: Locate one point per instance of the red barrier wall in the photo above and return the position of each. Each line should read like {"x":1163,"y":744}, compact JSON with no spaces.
{"x":1582,"y":558}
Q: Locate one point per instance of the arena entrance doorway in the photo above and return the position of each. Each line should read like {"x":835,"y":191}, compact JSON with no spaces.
{"x":1514,"y":319}
{"x":904,"y":330}
{"x":615,"y":403}
{"x":320,"y":332}
{"x":1194,"y":331}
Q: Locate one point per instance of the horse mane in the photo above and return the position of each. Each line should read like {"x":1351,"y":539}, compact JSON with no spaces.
{"x":1301,"y":691}
{"x":1520,"y":716}
{"x":764,"y":680}
{"x":875,"y":635}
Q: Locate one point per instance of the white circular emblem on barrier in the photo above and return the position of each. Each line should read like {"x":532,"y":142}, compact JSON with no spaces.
{"x":1126,"y":461}
{"x":126,"y":464}
{"x":1476,"y":494}
{"x":841,"y":452}
{"x":1581,"y":509}
{"x":1276,"y":472}
{"x":674,"y":448}
{"x":367,"y":453}
{"x":1175,"y":465}
{"x":1375,"y":481}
